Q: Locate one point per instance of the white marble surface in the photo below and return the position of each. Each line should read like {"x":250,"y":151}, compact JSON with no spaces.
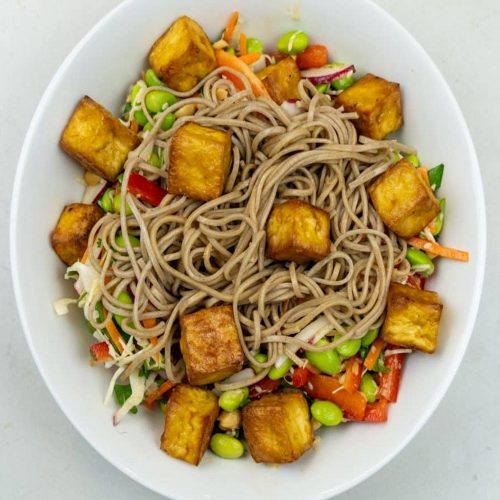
{"x":456,"y":455}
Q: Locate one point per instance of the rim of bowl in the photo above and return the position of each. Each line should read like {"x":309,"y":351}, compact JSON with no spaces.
{"x":475,"y":301}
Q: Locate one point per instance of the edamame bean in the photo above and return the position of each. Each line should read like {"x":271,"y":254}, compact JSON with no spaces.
{"x":232,"y":400}
{"x":413,"y":159}
{"x":168,"y":121}
{"x":369,"y":387}
{"x":140,"y":117}
{"x":135,"y":90}
{"x":344,"y":82}
{"x":147,"y":127}
{"x":124,"y":298}
{"x":420,"y":261}
{"x":326,"y":413}
{"x":348,"y":348}
{"x":327,"y":361}
{"x":277,"y":372}
{"x":254,"y":45}
{"x":261,"y":358}
{"x":120,"y":241}
{"x":157,"y":99}
{"x":323,"y":88}
{"x":151,"y":79}
{"x":106,"y":201}
{"x":230,"y":50}
{"x":293,"y":42}
{"x":438,"y":223}
{"x":117,"y":203}
{"x":155,"y":160}
{"x":369,"y":337}
{"x":225,"y":446}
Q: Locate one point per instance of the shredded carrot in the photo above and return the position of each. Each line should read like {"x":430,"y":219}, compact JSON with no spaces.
{"x":154,"y":341}
{"x":243,"y":44}
{"x":250,"y":58}
{"x":230,"y":26}
{"x":437,"y":249}
{"x":227,"y":59}
{"x":114,"y":334}
{"x":424,"y":174}
{"x":149,"y":323}
{"x":85,"y":257}
{"x":157,"y":394}
{"x":374,"y":353}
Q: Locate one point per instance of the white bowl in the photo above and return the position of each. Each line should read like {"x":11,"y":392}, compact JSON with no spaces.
{"x":103,"y":65}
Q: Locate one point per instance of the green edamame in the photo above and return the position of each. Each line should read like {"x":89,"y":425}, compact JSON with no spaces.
{"x":120,"y":241}
{"x":344,"y":82}
{"x":293,"y":42}
{"x":157,"y":99}
{"x":124,"y":298}
{"x":106,"y":201}
{"x":326,"y":413}
{"x":140,"y":118}
{"x":155,"y":160}
{"x":117,"y":203}
{"x":225,"y":446}
{"x":369,"y":337}
{"x":261,"y":358}
{"x":413,"y":159}
{"x":327,"y":361}
{"x":254,"y":45}
{"x":420,"y":261}
{"x":168,"y":121}
{"x":277,"y":372}
{"x":135,"y":91}
{"x":348,"y":348}
{"x":369,"y":387}
{"x":232,"y":400}
{"x":230,"y":50}
{"x":323,"y":88}
{"x":152,"y":80}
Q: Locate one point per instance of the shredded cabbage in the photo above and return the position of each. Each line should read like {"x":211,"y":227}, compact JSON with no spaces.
{"x":138,"y":386}
{"x":61,"y":305}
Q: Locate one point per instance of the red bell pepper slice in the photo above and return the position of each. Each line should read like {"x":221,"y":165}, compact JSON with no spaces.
{"x":146,"y":190}
{"x":330,"y":389}
{"x":100,"y":352}
{"x":377,"y":412}
{"x":265,"y":386}
{"x":300,"y":377}
{"x":353,"y":373}
{"x":416,"y":281}
{"x":389,"y":381}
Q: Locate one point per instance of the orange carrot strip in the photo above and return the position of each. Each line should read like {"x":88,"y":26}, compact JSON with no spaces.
{"x":154,"y":341}
{"x":149,"y":323}
{"x":85,"y":256}
{"x":374,"y":353}
{"x":250,"y":58}
{"x":114,"y":334}
{"x":424,"y":174}
{"x":157,"y":394}
{"x":437,"y":249}
{"x":230,"y":26}
{"x":243,"y":44}
{"x":227,"y":59}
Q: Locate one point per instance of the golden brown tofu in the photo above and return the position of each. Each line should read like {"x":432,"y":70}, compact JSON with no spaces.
{"x":183,"y":55}
{"x":70,"y":236}
{"x":277,"y":427}
{"x":378,"y":104}
{"x":298,"y":231}
{"x":282,"y":80}
{"x":189,"y":421}
{"x":97,"y":140}
{"x":412,"y":318}
{"x":200,"y":158}
{"x":210,"y":345}
{"x":404,"y":201}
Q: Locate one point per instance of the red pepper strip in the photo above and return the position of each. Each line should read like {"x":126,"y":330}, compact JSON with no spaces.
{"x":354,"y":371}
{"x":100,"y":352}
{"x":377,"y":412}
{"x":265,"y":386}
{"x":416,"y":281}
{"x":300,"y":377}
{"x":145,"y":190}
{"x":389,"y":381}
{"x":330,"y":389}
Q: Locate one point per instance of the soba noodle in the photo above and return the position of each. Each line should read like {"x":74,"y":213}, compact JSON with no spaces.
{"x":194,"y":255}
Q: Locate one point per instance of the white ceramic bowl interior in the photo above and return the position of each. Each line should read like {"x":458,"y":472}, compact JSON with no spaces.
{"x":103,"y":66}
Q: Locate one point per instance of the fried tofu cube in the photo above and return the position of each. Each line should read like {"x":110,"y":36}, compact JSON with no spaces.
{"x":210,"y":345}
{"x":277,"y":427}
{"x":200,"y":158}
{"x":412,"y":318}
{"x":71,"y":234}
{"x":377,"y":103}
{"x":183,"y":55}
{"x":189,"y":422}
{"x":281,"y":80}
{"x":403,"y":199}
{"x":97,"y":140}
{"x":298,"y":231}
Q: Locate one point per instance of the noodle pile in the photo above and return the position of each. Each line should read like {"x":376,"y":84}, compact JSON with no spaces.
{"x":194,"y":255}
